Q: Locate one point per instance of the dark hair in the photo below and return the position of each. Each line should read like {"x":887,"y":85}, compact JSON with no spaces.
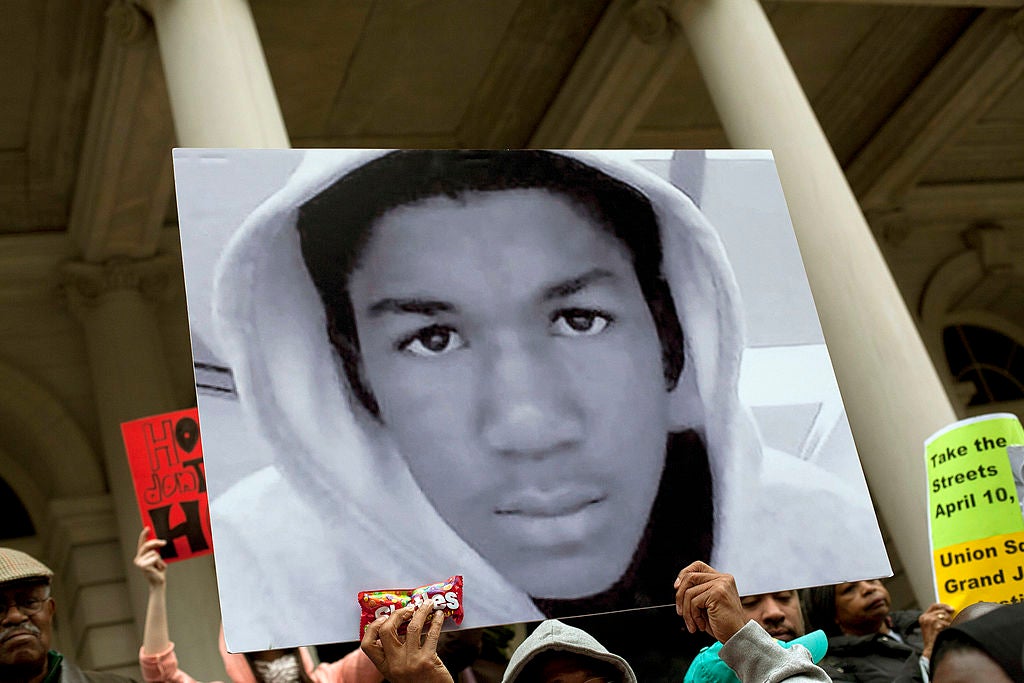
{"x":955,"y":641}
{"x":999,"y":635}
{"x":335,"y":226}
{"x":819,"y":605}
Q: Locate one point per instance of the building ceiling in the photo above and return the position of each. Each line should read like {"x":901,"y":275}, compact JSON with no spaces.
{"x":488,"y":74}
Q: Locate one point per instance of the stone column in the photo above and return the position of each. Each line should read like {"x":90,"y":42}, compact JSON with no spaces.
{"x":221,"y":95}
{"x":893,"y":395}
{"x":116,"y":303}
{"x":217,"y":77}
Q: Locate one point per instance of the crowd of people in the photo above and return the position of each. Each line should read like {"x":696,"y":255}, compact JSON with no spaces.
{"x":857,"y":637}
{"x":465,"y":328}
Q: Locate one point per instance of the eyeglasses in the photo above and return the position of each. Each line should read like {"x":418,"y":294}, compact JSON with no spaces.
{"x":26,"y":604}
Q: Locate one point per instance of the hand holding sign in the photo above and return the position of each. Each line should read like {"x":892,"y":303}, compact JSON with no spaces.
{"x":708,"y":601}
{"x":934,"y":619}
{"x":147,"y":558}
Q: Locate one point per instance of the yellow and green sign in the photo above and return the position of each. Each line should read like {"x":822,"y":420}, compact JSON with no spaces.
{"x":976,"y":519}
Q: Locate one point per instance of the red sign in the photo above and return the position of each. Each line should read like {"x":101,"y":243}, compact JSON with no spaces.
{"x":166,"y":458}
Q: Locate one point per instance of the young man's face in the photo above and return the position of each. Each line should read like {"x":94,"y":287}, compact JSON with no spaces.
{"x":518,"y":370}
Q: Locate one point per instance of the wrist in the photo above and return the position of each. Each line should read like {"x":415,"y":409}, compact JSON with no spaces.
{"x":730,"y":629}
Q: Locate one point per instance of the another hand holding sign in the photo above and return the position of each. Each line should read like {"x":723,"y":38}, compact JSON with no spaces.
{"x":708,"y":601}
{"x":155,"y":636}
{"x":147,"y":558}
{"x":933,"y":620}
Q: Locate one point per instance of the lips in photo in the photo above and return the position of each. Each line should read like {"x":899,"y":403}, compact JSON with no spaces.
{"x":551,"y":503}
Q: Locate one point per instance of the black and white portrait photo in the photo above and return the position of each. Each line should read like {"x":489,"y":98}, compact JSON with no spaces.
{"x":562,"y":375}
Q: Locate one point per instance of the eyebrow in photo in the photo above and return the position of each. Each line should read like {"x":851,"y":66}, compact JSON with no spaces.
{"x":430,"y":307}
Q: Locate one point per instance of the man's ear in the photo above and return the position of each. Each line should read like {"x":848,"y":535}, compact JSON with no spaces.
{"x":50,"y":610}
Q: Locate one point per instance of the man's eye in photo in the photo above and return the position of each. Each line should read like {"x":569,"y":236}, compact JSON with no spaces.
{"x":432,"y":341}
{"x":579,"y":322}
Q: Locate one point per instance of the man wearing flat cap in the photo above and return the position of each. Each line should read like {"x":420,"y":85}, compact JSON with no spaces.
{"x":26,"y":626}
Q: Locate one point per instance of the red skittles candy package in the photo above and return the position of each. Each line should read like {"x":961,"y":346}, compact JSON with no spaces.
{"x":446,"y":595}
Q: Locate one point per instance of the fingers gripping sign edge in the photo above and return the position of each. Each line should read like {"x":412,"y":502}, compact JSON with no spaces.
{"x":708,"y":601}
{"x":694,"y":574}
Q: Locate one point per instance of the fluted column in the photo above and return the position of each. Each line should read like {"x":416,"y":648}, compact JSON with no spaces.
{"x":893,"y":395}
{"x":221,"y":95}
{"x":217,"y":77}
{"x":117,"y":304}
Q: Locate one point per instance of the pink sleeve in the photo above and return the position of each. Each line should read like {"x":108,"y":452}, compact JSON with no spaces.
{"x":355,"y":667}
{"x":163,"y":667}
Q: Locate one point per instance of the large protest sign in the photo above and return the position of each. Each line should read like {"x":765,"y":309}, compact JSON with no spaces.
{"x":556,"y":374}
{"x":976,"y":517}
{"x":165,"y":454}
